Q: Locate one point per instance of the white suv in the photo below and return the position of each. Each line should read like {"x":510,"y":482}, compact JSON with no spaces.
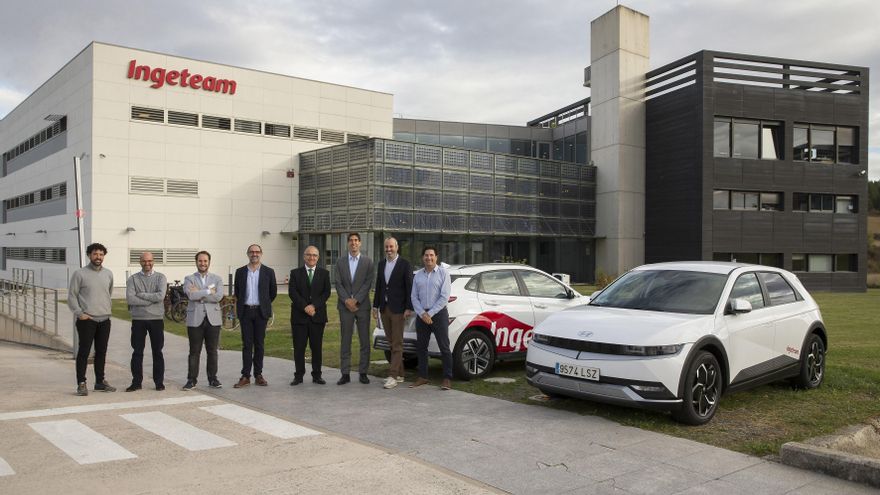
{"x":492,"y":310}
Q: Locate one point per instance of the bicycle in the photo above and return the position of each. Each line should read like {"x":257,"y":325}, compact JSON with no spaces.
{"x":229,"y":313}
{"x":175,"y":302}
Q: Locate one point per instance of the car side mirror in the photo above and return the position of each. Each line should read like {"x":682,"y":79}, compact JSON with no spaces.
{"x":740,"y":305}
{"x":570,"y":294}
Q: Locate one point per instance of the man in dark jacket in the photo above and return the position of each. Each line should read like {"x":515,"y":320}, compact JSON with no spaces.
{"x":255,"y":289}
{"x":309,"y":289}
{"x":392,"y":303}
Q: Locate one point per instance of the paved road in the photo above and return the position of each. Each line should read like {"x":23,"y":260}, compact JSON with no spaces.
{"x":512,"y":447}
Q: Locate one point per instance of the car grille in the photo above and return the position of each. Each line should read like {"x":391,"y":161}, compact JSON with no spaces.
{"x":586,"y":346}
{"x":381,"y":343}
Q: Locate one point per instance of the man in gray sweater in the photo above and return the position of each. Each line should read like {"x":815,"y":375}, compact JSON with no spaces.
{"x":89,"y":299}
{"x":145,"y":295}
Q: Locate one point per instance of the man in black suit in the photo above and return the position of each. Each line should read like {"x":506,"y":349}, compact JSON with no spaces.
{"x":392,"y":302}
{"x":309,"y":290}
{"x":255,"y":289}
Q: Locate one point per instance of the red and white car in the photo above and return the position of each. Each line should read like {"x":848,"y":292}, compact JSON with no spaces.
{"x":493,"y":308}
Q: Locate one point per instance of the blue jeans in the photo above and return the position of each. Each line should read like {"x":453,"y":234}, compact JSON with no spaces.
{"x":440,"y":328}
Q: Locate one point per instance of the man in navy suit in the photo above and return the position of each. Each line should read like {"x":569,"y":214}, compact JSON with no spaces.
{"x":309,"y":289}
{"x":255,"y":289}
{"x":393,"y":304}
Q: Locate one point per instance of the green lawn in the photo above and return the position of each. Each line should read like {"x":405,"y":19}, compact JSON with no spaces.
{"x":756,"y":422}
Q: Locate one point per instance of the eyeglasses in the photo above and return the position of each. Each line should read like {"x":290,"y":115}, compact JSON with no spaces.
{"x":255,"y":252}
{"x":310,"y":255}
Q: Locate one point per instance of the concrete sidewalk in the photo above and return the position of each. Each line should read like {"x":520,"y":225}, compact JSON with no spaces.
{"x":514,"y":447}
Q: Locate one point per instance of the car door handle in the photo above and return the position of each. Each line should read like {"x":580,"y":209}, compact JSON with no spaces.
{"x":541,"y":306}
{"x":491,"y":303}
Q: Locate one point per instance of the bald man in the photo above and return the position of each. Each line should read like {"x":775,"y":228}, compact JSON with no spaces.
{"x":145,"y":295}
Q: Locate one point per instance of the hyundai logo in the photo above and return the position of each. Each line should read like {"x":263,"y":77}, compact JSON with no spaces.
{"x":585,"y":334}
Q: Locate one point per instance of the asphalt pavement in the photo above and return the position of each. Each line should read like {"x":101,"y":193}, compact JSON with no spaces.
{"x":433,"y":441}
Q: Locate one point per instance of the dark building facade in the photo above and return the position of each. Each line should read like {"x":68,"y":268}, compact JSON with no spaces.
{"x":761,"y":160}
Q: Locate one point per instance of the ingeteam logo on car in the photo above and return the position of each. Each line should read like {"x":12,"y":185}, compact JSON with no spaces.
{"x":511,"y":335}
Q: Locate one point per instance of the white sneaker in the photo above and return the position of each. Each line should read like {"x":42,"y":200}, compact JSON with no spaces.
{"x":390,"y":382}
{"x":399,"y":379}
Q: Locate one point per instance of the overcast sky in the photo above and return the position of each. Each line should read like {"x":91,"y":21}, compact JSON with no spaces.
{"x":475,"y":61}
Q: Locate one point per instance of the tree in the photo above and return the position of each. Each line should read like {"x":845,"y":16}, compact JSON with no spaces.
{"x":874,"y":195}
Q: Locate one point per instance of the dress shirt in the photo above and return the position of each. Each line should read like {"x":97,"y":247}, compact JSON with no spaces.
{"x":353,"y":264}
{"x":253,"y":287}
{"x":430,"y":291}
{"x":389,"y":267}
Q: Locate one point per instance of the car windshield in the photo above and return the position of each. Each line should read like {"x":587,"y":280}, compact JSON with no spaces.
{"x":671,"y":291}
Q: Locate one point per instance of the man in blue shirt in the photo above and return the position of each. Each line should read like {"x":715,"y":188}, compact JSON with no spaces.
{"x":430,"y":294}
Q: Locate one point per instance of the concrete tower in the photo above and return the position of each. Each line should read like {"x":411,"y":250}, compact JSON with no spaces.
{"x":619,"y":61}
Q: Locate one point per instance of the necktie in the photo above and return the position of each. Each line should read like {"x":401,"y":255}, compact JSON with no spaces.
{"x":310,"y":276}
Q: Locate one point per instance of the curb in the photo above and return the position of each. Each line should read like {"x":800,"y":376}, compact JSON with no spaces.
{"x":819,"y":455}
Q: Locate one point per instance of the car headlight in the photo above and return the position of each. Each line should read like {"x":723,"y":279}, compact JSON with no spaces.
{"x":651,"y":350}
{"x":540,"y":338}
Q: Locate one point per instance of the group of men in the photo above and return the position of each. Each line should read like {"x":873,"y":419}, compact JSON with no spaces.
{"x":399,"y":294}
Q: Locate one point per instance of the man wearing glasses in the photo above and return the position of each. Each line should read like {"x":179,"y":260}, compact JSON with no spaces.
{"x":309,"y":290}
{"x":255,"y":289}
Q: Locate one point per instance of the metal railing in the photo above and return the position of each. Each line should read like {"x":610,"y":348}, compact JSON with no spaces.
{"x":30,"y":304}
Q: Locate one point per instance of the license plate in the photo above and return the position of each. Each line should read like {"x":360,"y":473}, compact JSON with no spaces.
{"x":583,"y":372}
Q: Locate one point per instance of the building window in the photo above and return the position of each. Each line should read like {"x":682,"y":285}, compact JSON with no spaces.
{"x":825,"y":144}
{"x":752,"y":139}
{"x":824,"y":263}
{"x":746,"y":200}
{"x":766,"y":259}
{"x":37,"y":254}
{"x":824,"y":203}
{"x":34,"y":197}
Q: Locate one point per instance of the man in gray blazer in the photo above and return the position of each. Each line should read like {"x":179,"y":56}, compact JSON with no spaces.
{"x":354,"y":278}
{"x":203,"y":319}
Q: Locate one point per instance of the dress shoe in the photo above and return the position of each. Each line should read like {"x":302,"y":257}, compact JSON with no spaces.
{"x":242,"y":382}
{"x":214,"y":383}
{"x":345,"y":379}
{"x":419,"y":382}
{"x":296,"y":381}
{"x":319,"y":381}
{"x":160,"y":387}
{"x":364,"y":379}
{"x":260,"y":380}
{"x":133,"y":387}
{"x":446,"y":385}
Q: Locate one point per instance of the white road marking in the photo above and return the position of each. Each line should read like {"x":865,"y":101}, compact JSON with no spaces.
{"x":58,"y":411}
{"x":177,"y":431}
{"x":83,"y":444}
{"x":261,"y":422}
{"x":5,"y":468}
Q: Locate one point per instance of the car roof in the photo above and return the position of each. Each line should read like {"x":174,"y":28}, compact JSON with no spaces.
{"x":475,"y":268}
{"x":722,"y":267}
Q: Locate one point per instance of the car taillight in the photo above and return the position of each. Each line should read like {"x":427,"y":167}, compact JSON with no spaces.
{"x":452,"y":298}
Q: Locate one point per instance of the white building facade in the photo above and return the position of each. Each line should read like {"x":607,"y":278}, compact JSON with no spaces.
{"x":177,"y":156}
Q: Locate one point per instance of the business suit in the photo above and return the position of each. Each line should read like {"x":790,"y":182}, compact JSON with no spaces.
{"x":392,"y":299}
{"x":203,"y":320}
{"x":304,"y":328}
{"x":254,"y":319}
{"x":357,"y":288}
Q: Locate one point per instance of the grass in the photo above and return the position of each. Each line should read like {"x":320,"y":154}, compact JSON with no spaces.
{"x":755,"y":422}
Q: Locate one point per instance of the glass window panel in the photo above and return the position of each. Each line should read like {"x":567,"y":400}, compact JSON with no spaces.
{"x":751,"y":200}
{"x":771,"y":202}
{"x":398,"y":175}
{"x":721,"y":200}
{"x":721,"y":257}
{"x":778,"y":289}
{"x":747,"y":287}
{"x":404,"y":136}
{"x":499,"y":145}
{"x":800,"y":143}
{"x":745,"y":140}
{"x":751,"y":258}
{"x":430,"y":178}
{"x":558,"y":145}
{"x":527,"y":187}
{"x":501,"y":282}
{"x":581,"y":147}
{"x":569,"y":149}
{"x":819,"y":263}
{"x":544,"y":150}
{"x":737,"y":200}
{"x":722,"y":138}
{"x":798,"y":262}
{"x":505,"y":185}
{"x":846,"y":263}
{"x":800,"y":202}
{"x":474,"y":143}
{"x":428,"y":138}
{"x":452,"y":141}
{"x":520,"y":147}
{"x":540,"y":285}
{"x":827,"y":203}
{"x":823,"y":145}
{"x":845,"y":204}
{"x":771,"y":142}
{"x":846,"y":145}
{"x":771,"y":259}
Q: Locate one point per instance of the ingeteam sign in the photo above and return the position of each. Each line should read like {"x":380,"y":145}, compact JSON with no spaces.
{"x":160,"y":77}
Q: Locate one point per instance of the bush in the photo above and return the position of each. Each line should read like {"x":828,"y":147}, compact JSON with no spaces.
{"x":603,"y":279}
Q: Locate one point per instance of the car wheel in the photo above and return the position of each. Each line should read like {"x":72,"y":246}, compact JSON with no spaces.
{"x":702,"y":390}
{"x":410,"y":362}
{"x":474,"y":355}
{"x":812,"y":364}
